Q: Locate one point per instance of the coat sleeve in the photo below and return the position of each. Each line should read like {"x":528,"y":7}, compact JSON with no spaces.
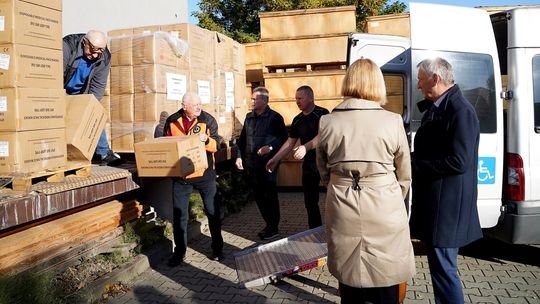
{"x":463,"y":132}
{"x":214,"y":139}
{"x":99,"y":80}
{"x":242,"y":140}
{"x":280,"y":131}
{"x":402,"y":158}
{"x":321,"y":152}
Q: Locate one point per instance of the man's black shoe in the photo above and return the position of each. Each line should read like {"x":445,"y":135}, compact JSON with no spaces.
{"x":112,"y":159}
{"x":270,"y":234}
{"x":217,"y":256}
{"x":175,"y":260}
{"x":262,"y":232}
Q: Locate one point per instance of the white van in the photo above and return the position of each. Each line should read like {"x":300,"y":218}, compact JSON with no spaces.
{"x":509,"y":153}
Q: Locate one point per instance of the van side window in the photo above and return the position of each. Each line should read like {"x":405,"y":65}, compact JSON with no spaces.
{"x":536,"y":90}
{"x":475,"y":76}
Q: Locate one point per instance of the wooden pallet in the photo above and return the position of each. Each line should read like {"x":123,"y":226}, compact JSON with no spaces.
{"x":24,"y":182}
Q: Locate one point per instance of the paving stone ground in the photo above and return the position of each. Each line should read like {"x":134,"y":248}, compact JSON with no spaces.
{"x":491,"y":271}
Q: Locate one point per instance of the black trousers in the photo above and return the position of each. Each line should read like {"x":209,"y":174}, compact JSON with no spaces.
{"x":374,"y":295}
{"x":182,"y":189}
{"x":310,"y":184}
{"x":266,"y":196}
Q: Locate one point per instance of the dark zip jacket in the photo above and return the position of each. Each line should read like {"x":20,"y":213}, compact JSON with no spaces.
{"x":97,"y":80}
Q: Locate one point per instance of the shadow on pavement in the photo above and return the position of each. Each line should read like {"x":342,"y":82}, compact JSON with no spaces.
{"x":497,"y":251}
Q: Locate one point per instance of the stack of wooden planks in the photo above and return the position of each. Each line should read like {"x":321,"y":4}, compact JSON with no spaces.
{"x":28,"y":247}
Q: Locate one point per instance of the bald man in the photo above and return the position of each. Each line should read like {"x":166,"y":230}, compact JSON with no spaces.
{"x":87,"y":62}
{"x":192,"y":120}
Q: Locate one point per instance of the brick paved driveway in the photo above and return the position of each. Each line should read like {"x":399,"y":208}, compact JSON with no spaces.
{"x":491,"y":272}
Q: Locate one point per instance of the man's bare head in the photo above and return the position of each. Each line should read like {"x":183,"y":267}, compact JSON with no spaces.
{"x":95,"y":43}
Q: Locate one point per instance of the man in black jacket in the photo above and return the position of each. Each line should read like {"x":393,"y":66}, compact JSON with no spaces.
{"x":262,"y":134}
{"x":87,"y":62}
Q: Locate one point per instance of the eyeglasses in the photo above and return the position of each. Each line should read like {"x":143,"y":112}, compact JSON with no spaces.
{"x":92,"y":48}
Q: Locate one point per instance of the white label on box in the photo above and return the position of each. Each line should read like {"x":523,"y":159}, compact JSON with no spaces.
{"x":176,"y":86}
{"x":3,"y":103}
{"x":229,"y":82}
{"x":4,"y":148}
{"x":222,"y":119}
{"x":2,"y":22}
{"x":4,"y":62}
{"x":229,"y":102}
{"x":204,"y":90}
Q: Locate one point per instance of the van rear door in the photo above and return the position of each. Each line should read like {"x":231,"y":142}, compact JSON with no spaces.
{"x":464,"y":36}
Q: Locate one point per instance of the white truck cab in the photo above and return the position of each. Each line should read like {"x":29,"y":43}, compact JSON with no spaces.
{"x":466,"y":38}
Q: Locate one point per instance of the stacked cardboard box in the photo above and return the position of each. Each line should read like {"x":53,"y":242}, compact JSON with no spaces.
{"x":31,"y":91}
{"x":166,"y":62}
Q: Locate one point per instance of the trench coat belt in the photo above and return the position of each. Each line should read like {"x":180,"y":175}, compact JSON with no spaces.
{"x":376,"y":180}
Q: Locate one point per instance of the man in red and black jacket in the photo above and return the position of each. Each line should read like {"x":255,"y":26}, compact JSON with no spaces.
{"x":191,"y":120}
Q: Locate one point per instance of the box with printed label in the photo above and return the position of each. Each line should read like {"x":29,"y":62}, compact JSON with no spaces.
{"x":32,"y":151}
{"x":30,"y":67}
{"x":26,"y":23}
{"x":85,"y":120}
{"x":24,"y":109}
{"x":170,"y":156}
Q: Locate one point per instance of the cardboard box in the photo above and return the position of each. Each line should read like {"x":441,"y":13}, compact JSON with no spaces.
{"x":85,"y":120}
{"x":200,"y":51}
{"x":30,"y":67}
{"x":149,"y":106}
{"x":121,"y":50}
{"x":154,"y":48}
{"x":120,"y":32}
{"x":145,"y":130}
{"x":170,"y":156}
{"x":228,"y":54}
{"x":32,"y":151}
{"x":122,"y":108}
{"x":158,"y":78}
{"x":54,"y":4}
{"x":122,"y":136}
{"x":24,"y":109}
{"x":122,"y":79}
{"x":31,"y":24}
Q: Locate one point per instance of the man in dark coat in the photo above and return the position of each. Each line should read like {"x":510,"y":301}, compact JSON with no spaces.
{"x":262,"y":134}
{"x":444,"y":163}
{"x":87,"y":62}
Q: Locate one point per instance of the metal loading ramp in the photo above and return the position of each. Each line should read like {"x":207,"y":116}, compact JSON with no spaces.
{"x":269,"y":262}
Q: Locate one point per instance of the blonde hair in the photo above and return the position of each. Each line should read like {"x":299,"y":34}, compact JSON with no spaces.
{"x":364,"y":80}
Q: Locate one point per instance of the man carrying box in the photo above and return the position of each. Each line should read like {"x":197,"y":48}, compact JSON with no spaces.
{"x":192,"y":120}
{"x":87,"y":62}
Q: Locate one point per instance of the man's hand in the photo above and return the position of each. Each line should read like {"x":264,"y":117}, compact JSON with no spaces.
{"x":203,"y":137}
{"x":271,"y":165}
{"x":238,"y":164}
{"x":264,"y":150}
{"x":299,"y":152}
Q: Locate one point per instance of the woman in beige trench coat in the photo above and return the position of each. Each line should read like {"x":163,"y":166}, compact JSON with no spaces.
{"x":363,"y":157}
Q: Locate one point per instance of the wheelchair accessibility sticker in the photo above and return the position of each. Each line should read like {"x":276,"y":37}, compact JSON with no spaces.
{"x":486,"y":170}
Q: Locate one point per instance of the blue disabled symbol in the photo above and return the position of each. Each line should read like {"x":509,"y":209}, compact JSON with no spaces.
{"x":486,"y":170}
